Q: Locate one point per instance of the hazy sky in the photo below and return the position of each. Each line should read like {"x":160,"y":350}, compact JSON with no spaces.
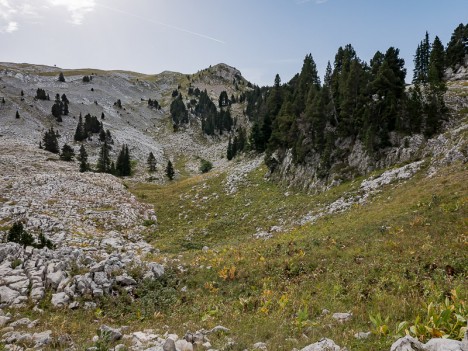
{"x":259,"y":37}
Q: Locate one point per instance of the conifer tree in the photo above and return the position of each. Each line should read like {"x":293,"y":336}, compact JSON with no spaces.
{"x":102,"y":135}
{"x":437,"y":64}
{"x":123,"y":165}
{"x":67,"y":153}
{"x":83,"y":158}
{"x":103,"y":163}
{"x":17,"y":114}
{"x":457,"y":48}
{"x":80,"y":133}
{"x":50,"y":142}
{"x":22,"y":92}
{"x":229,"y":153}
{"x":170,"y":173}
{"x":61,"y":77}
{"x":151,"y":161}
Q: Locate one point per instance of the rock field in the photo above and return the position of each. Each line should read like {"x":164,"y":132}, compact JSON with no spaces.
{"x":95,"y":224}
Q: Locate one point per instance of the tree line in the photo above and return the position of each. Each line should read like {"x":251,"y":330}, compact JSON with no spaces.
{"x":357,"y":100}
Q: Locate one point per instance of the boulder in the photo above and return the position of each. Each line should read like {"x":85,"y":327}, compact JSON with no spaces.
{"x":42,"y":339}
{"x":7,"y":295}
{"x":183,"y":345}
{"x":169,"y":345}
{"x":323,"y":345}
{"x":60,"y":299}
{"x":114,"y":334}
{"x":342,"y":317}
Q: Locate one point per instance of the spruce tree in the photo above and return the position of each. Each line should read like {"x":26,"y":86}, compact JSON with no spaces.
{"x":67,"y":153}
{"x":83,"y":158}
{"x":103,"y":163}
{"x":22,"y":92}
{"x":437,"y":64}
{"x":80,"y":133}
{"x":50,"y":142}
{"x":151,"y":161}
{"x":102,"y":135}
{"x":123,"y":164}
{"x":229,"y":153}
{"x":61,"y":77}
{"x":170,"y":173}
{"x":17,"y":114}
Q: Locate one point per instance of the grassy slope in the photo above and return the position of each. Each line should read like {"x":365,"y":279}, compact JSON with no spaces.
{"x":387,"y":257}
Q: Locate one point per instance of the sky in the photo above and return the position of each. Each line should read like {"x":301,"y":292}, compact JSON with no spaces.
{"x":261,"y":38}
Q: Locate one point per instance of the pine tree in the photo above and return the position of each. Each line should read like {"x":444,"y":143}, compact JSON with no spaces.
{"x":123,"y":164}
{"x":61,"y":77}
{"x":223,"y":99}
{"x":437,"y":64}
{"x":170,"y":173}
{"x":80,"y":133}
{"x":229,"y":153}
{"x":103,"y":163}
{"x":22,"y":93}
{"x":83,"y":158}
{"x":151,"y":161}
{"x":102,"y":135}
{"x":14,"y":234}
{"x":457,"y":48}
{"x":65,"y":109}
{"x":50,"y":142}
{"x":17,"y":114}
{"x":67,"y":153}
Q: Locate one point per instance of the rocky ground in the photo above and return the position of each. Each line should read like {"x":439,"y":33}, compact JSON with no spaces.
{"x":95,"y":224}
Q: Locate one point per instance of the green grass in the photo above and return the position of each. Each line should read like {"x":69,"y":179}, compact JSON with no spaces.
{"x":387,"y":257}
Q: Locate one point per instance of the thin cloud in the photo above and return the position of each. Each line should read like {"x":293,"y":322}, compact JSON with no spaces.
{"x":15,"y":12}
{"x":180,"y":29}
{"x":9,"y":28}
{"x":77,"y":9}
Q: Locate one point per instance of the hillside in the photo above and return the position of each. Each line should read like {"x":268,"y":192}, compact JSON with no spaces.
{"x":233,"y":259}
{"x":143,"y":128}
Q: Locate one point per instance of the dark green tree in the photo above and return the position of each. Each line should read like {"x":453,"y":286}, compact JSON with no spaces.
{"x":229,"y":153}
{"x":41,"y":94}
{"x":17,"y":115}
{"x":80,"y":133}
{"x":14,"y":234}
{"x":123,"y":166}
{"x":170,"y":173}
{"x":67,"y":153}
{"x":457,"y":47}
{"x":17,"y":234}
{"x":437,"y":64}
{"x":50,"y":142}
{"x":151,"y":162}
{"x":103,"y":163}
{"x":61,"y":77}
{"x":223,"y":99}
{"x":102,"y":135}
{"x":83,"y":158}
{"x":179,"y":113}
